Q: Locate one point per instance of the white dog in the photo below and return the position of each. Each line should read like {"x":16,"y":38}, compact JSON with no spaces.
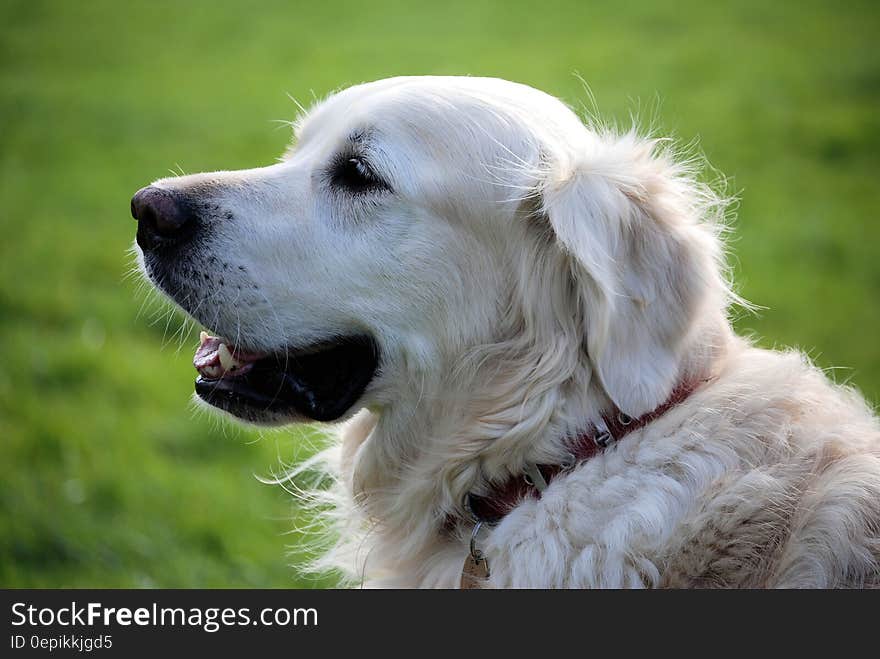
{"x":533,"y":313}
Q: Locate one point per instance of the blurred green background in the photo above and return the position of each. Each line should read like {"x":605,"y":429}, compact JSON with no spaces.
{"x":107,"y":476}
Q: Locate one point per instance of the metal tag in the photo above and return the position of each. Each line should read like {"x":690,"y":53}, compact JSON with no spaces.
{"x":474,"y":573}
{"x":476,"y":568}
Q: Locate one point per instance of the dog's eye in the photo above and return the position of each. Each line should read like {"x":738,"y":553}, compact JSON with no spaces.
{"x":356,"y":175}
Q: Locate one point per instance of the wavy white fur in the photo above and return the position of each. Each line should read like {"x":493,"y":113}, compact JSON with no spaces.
{"x":527,"y":273}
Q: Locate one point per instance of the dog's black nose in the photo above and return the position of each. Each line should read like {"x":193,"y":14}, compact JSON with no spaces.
{"x":163,"y":216}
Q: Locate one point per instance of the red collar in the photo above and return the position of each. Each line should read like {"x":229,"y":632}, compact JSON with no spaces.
{"x":491,"y":508}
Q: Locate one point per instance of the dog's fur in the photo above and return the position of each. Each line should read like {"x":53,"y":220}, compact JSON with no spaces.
{"x":524,"y":274}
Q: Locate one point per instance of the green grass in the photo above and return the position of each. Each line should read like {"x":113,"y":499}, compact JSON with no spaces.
{"x":107,"y":478}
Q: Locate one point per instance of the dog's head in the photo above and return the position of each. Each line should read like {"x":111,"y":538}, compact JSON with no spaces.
{"x":416,"y":219}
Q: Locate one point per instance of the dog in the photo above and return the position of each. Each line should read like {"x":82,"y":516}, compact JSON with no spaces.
{"x":520,"y":323}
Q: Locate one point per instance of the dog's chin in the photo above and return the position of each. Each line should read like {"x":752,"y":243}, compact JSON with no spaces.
{"x":319,"y":383}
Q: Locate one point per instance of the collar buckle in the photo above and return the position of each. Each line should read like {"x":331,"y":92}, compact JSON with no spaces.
{"x":603,"y":435}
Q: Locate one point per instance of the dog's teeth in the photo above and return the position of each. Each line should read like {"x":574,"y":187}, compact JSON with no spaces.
{"x":227,"y":361}
{"x":203,"y":336}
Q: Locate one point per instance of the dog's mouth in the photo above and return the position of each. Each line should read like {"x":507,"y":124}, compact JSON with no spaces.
{"x":320,"y":382}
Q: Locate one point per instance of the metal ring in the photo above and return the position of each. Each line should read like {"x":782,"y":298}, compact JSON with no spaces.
{"x":569,"y":461}
{"x":476,"y":553}
{"x":528,"y":479}
{"x":624,"y":419}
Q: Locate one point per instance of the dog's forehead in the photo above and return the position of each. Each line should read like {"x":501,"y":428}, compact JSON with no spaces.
{"x":431,"y":105}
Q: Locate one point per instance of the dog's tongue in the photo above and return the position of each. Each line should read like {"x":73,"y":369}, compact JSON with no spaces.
{"x":215,"y":358}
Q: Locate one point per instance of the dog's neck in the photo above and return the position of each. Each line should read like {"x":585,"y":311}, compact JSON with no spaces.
{"x":410,"y":465}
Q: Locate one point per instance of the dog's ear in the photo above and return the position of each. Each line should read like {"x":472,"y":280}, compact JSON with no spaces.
{"x":643,"y":260}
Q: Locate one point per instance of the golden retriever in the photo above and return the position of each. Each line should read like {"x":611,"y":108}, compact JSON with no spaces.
{"x":523,"y":322}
